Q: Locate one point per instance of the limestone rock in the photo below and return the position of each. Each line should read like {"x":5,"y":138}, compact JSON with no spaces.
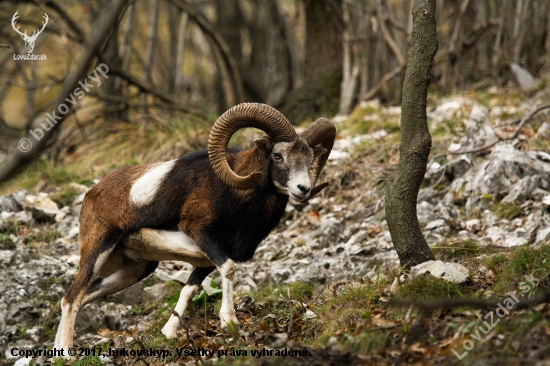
{"x":42,"y":208}
{"x":523,"y":77}
{"x":479,"y":132}
{"x":451,"y":272}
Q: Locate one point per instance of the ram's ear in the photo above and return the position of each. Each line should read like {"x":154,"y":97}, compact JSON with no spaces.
{"x":318,"y":151}
{"x":264,"y":145}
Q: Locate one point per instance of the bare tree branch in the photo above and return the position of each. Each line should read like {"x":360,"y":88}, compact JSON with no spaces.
{"x":100,"y":30}
{"x":387,"y":36}
{"x":475,"y":303}
{"x":218,"y":42}
{"x":151,"y":90}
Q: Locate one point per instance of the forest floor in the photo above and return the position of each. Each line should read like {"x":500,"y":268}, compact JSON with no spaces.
{"x":325,"y":288}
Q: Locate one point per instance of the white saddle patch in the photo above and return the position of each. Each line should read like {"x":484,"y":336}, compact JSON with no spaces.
{"x":145,"y":187}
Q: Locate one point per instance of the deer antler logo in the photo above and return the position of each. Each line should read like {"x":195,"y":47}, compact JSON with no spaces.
{"x":29,"y":41}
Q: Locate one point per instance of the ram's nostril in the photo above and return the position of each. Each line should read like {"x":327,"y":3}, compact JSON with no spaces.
{"x":303,"y":189}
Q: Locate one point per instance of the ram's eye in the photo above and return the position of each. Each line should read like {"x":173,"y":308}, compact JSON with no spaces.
{"x":277,"y":156}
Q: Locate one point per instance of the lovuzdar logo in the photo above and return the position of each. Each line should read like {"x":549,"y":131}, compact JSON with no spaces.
{"x":29,"y":40}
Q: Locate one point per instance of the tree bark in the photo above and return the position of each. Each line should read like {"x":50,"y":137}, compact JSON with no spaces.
{"x":320,"y":91}
{"x":113,"y":110}
{"x":403,"y":186}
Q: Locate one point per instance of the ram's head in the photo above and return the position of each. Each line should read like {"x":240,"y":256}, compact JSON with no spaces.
{"x":294,"y":160}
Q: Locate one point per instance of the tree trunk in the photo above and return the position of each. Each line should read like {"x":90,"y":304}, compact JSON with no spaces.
{"x":150,"y":52}
{"x":229,"y":18}
{"x":320,"y":91}
{"x":113,"y":109}
{"x":403,"y":186}
{"x":184,"y":18}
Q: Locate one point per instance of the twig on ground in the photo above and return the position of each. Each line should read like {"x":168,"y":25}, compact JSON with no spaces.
{"x":140,"y":344}
{"x":475,"y":303}
{"x":192,"y":342}
{"x":291,"y":322}
{"x":189,"y":337}
{"x":521,"y":121}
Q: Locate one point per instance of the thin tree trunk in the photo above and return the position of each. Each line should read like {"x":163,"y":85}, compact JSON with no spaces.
{"x":173,"y":26}
{"x":149,"y":50}
{"x":483,"y":50}
{"x":233,"y":85}
{"x":547,"y":43}
{"x":113,"y":109}
{"x":184,"y":18}
{"x":350,"y":69}
{"x":497,"y":46}
{"x":403,"y":186}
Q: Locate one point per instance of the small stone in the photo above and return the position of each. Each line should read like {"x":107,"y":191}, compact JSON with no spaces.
{"x":543,"y":235}
{"x":247,"y":304}
{"x":435,"y":224}
{"x":42,"y":208}
{"x":357,"y":238}
{"x":523,"y":77}
{"x":338,"y":155}
{"x":23,"y":361}
{"x":395,"y":285}
{"x":471,"y":225}
{"x":479,"y":132}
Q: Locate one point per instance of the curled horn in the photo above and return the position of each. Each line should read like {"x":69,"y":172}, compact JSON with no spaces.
{"x":260,"y":116}
{"x":320,"y":133}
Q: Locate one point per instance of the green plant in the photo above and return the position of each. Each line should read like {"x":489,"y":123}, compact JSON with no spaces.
{"x":65,"y":196}
{"x":427,"y":287}
{"x":508,"y":210}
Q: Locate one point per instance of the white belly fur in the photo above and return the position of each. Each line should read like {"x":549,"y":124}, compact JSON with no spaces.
{"x":160,"y":245}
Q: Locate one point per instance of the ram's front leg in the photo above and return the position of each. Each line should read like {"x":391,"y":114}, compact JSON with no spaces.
{"x":227,"y":311}
{"x":226,"y":268}
{"x":189,"y":290}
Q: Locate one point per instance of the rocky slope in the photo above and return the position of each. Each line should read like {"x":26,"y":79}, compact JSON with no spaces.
{"x":497,"y":197}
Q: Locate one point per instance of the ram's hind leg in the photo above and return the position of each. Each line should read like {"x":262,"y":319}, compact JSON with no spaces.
{"x":189,"y":290}
{"x":128,"y":273}
{"x":96,"y":246}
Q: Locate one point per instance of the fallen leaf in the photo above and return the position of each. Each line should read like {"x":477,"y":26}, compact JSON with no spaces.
{"x":381,"y":322}
{"x":445,"y":342}
{"x":529,"y":132}
{"x":416,"y":348}
{"x":264,"y":326}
